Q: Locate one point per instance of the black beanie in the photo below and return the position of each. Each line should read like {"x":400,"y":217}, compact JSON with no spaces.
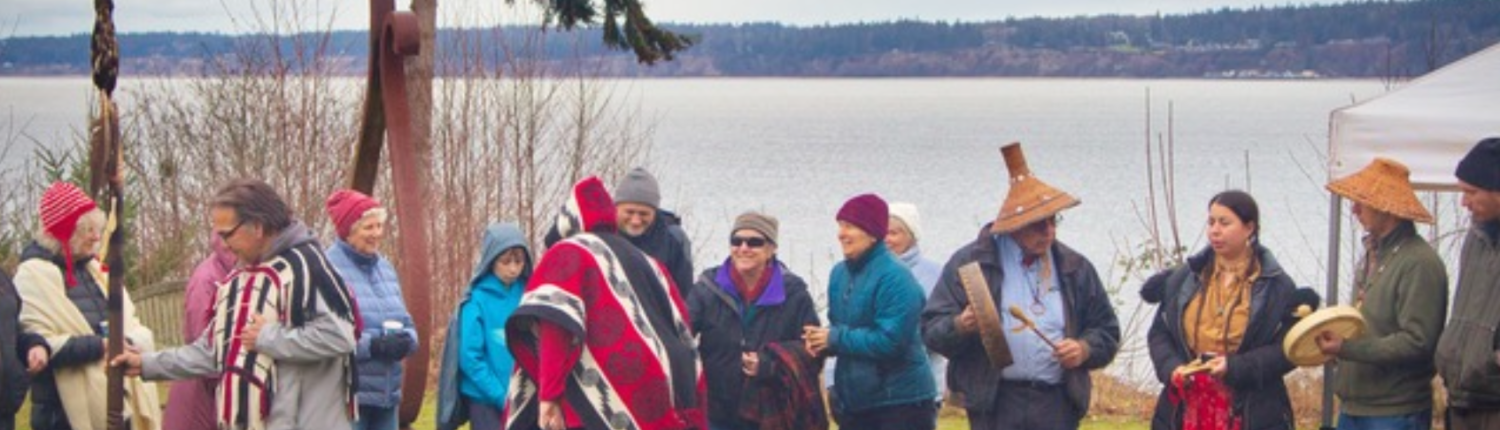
{"x":1481,"y":167}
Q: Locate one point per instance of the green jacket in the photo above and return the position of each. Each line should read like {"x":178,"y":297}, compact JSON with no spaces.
{"x":1389,"y":370}
{"x":1466,"y":354}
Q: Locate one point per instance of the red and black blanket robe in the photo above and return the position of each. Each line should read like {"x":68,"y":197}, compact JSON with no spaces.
{"x":602,"y":329}
{"x":787,"y":395}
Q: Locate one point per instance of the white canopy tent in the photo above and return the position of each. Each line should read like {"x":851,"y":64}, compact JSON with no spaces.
{"x":1429,"y":125}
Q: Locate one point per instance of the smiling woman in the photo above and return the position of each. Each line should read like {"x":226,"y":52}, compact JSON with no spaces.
{"x":750,"y":313}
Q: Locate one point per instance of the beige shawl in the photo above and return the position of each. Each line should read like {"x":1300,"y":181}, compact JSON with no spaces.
{"x":48,"y":312}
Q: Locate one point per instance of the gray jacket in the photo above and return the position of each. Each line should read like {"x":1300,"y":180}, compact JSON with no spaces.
{"x":312,"y":359}
{"x":312,"y":385}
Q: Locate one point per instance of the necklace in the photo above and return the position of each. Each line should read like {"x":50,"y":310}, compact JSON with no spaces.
{"x":1374,"y":267}
{"x":1040,"y":284}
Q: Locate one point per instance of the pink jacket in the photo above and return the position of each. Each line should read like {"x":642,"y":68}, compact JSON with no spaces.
{"x":190,"y":402}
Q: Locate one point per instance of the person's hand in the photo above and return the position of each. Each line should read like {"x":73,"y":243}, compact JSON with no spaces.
{"x":1331,"y":344}
{"x":36,"y":359}
{"x":750,"y":363}
{"x":816,"y":339}
{"x":391,"y":347}
{"x":550,"y":416}
{"x":1071,"y":353}
{"x":252,"y":331}
{"x":129,"y":361}
{"x":1218,"y":366}
{"x":966,"y":322}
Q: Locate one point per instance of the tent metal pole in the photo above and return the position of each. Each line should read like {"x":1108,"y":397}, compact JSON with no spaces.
{"x":1331,"y":294}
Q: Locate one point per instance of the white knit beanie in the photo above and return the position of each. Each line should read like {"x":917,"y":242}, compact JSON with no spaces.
{"x":907,"y":213}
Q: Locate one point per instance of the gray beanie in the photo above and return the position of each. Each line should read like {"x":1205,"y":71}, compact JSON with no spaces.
{"x":761,"y":223}
{"x":638,"y":186}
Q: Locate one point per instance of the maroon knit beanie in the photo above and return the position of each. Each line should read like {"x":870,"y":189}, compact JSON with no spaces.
{"x":868,"y":212}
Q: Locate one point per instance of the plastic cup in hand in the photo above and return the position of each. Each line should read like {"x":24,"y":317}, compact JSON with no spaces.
{"x":393,"y":327}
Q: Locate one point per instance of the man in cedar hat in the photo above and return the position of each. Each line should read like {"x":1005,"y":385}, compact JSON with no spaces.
{"x":1384,"y":378}
{"x":1032,"y":385}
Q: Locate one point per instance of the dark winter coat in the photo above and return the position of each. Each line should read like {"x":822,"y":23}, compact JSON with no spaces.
{"x":1255,"y":371}
{"x":14,"y":345}
{"x":726,"y":327}
{"x":1466,"y":351}
{"x":1090,"y":318}
{"x":666,"y":241}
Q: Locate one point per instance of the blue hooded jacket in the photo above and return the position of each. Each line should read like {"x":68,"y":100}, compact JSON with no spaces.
{"x":476,"y":363}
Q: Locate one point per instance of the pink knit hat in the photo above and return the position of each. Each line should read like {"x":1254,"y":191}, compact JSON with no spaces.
{"x":61,"y":207}
{"x":346,"y":207}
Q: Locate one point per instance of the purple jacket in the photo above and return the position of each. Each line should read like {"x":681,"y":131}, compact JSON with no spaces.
{"x":190,"y":404}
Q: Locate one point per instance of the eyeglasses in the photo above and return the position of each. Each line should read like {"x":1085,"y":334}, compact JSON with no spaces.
{"x":225,"y":235}
{"x":753,"y":242}
{"x":1043,"y":224}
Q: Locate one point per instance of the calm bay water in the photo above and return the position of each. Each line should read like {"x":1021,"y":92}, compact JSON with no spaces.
{"x":797,"y":148}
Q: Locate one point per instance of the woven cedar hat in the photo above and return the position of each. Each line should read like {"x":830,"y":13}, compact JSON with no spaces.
{"x":1384,"y":185}
{"x":1029,"y":199}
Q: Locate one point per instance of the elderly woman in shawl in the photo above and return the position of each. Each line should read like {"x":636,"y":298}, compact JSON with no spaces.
{"x":63,"y":288}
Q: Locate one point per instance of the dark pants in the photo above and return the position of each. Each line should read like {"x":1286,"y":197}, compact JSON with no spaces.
{"x":1420,"y":420}
{"x":1473,"y":419}
{"x":7,"y":422}
{"x":1027,"y":406}
{"x":910,"y":416}
{"x":46,"y":415}
{"x":484,"y":417}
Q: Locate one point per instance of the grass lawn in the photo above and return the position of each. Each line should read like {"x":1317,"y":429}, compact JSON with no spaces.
{"x":950,"y":421}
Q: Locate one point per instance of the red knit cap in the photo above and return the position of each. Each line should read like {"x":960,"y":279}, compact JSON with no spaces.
{"x":868,"y":212}
{"x":346,"y":207}
{"x":61,"y":207}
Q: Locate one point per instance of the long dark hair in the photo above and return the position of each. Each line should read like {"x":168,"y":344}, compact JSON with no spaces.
{"x":1244,"y":208}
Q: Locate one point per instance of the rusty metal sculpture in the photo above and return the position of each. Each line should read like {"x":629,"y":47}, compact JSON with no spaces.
{"x":106,"y":183}
{"x":393,"y":37}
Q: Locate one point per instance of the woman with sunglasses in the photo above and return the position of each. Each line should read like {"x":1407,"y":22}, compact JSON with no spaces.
{"x":1216,"y":340}
{"x":749,"y":313}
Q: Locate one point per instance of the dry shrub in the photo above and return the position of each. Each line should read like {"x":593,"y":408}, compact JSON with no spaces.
{"x":511,"y":133}
{"x":514,"y":132}
{"x":1116,"y":398}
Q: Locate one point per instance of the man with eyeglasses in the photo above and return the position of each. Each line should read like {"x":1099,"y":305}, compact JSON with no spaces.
{"x":749,"y":313}
{"x":1033,"y":379}
{"x":281,"y":339}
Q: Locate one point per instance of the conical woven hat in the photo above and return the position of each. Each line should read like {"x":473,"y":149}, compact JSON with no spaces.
{"x":1029,"y":199}
{"x":1384,"y":185}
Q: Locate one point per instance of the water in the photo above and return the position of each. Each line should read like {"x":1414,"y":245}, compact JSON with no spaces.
{"x":798,"y":148}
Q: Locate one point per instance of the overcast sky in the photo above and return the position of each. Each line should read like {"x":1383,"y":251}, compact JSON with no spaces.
{"x":57,"y":17}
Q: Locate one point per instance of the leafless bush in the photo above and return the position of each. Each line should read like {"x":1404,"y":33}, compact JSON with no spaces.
{"x":271,"y":109}
{"x":514,"y":130}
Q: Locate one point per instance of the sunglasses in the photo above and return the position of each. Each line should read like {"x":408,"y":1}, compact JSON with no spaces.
{"x":753,"y":242}
{"x":225,"y":235}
